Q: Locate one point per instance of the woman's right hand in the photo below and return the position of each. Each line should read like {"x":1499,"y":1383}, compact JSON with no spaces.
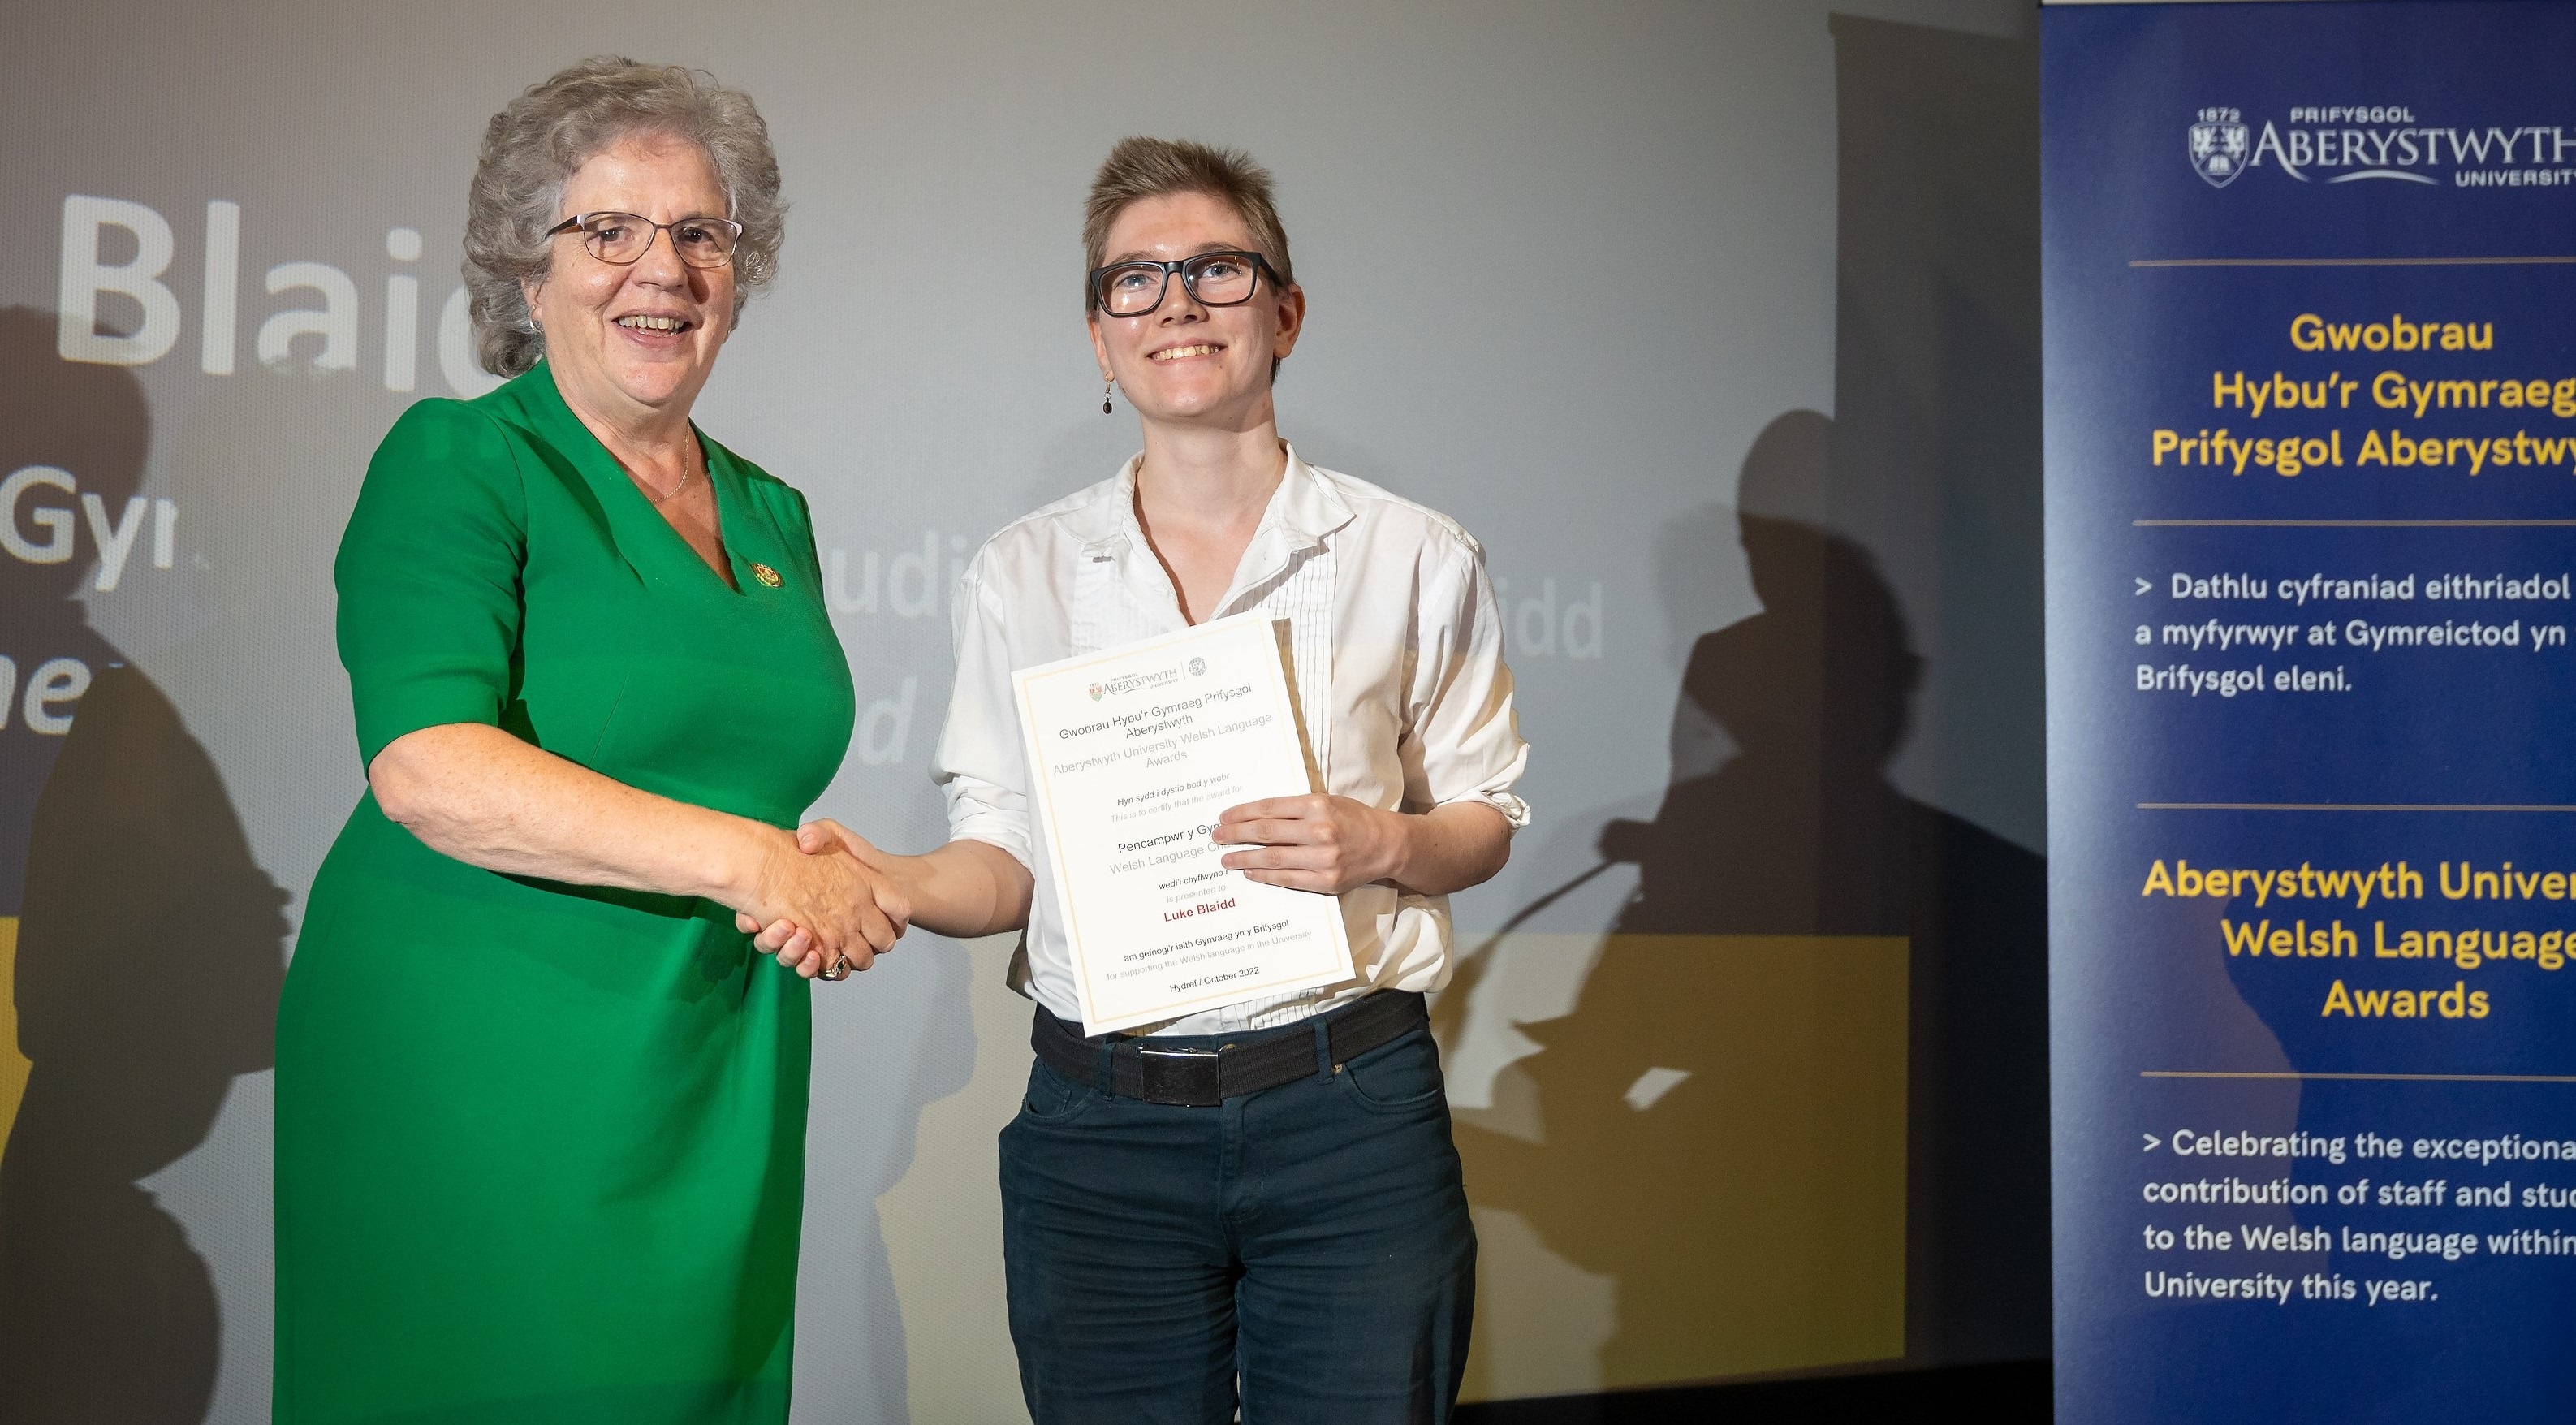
{"x":962,"y":890}
{"x":833,"y":905}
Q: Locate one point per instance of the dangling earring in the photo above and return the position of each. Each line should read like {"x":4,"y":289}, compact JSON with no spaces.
{"x":1105,"y":388}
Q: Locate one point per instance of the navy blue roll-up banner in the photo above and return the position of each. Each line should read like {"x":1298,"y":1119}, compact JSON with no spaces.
{"x":2310,"y":287}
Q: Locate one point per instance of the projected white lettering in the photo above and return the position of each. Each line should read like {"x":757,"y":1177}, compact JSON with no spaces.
{"x":117,"y":307}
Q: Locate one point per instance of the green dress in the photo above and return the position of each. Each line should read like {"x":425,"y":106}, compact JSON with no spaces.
{"x":541,"y":1147}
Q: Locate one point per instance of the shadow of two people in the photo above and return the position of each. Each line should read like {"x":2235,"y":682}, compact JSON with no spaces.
{"x":1673,"y":1184}
{"x":148,"y":943}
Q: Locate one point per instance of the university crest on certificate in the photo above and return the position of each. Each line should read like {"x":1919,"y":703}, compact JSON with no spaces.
{"x":1133,"y":754}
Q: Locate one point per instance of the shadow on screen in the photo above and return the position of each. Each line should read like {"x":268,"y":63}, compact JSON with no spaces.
{"x":1799,"y":1113}
{"x":147,"y":942}
{"x":1814,"y":1045}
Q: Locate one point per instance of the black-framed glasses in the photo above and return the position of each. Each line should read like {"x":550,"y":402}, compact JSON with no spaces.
{"x":624,"y":238}
{"x":1213,"y":279}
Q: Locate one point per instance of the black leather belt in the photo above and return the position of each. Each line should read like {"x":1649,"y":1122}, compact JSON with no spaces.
{"x":1204,"y":1078}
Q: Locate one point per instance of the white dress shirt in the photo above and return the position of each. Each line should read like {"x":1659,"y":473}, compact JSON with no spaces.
{"x":1396,"y":638}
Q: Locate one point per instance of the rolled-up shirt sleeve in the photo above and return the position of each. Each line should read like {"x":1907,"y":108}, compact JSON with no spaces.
{"x":980,"y":764}
{"x":1463,"y":740}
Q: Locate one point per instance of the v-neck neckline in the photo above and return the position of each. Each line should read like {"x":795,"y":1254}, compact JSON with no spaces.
{"x":601,"y":467}
{"x":1237,"y":585}
{"x":728,"y":578}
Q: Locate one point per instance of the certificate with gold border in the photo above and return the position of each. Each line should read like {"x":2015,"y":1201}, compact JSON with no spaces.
{"x":1133,"y":753}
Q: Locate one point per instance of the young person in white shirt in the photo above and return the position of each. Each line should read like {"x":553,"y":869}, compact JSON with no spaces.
{"x":1287,"y":1223}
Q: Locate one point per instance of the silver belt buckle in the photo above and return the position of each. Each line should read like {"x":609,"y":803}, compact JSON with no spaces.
{"x":1186,"y":1077}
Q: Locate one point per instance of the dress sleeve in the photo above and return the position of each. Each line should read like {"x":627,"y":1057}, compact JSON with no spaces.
{"x":980,"y":764}
{"x":429,"y":576}
{"x":1463,"y":740}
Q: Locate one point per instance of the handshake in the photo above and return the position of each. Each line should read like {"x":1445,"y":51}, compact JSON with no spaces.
{"x":826,"y":902}
{"x":828,"y":906}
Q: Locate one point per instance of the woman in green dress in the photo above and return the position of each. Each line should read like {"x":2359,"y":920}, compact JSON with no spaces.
{"x":540,"y":1105}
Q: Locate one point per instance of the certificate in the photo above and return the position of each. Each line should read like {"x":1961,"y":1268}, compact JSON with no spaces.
{"x":1132,"y":755}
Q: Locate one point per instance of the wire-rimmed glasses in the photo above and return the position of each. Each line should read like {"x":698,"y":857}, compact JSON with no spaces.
{"x":624,"y":238}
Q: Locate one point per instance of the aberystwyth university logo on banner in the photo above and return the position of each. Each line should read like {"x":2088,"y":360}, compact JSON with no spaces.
{"x":2360,"y":143}
{"x":2219,"y":143}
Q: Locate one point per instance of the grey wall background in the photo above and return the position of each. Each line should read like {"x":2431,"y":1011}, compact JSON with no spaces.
{"x":1646,"y":193}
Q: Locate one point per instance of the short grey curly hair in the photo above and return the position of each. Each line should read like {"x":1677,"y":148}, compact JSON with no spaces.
{"x":532,"y":146}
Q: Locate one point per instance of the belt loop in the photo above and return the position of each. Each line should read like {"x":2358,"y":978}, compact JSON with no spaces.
{"x":1323,"y":1050}
{"x":1109,"y":1066}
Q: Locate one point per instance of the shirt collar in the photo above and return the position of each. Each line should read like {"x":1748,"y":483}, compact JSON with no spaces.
{"x":1303,"y":510}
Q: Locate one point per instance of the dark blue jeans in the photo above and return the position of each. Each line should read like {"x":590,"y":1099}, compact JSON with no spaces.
{"x":1308,"y":1245}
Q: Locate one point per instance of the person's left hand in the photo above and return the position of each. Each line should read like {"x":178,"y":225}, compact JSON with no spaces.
{"x":1317,"y":842}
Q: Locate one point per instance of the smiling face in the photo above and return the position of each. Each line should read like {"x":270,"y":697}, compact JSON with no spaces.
{"x":1185,"y":363}
{"x":632,"y":345}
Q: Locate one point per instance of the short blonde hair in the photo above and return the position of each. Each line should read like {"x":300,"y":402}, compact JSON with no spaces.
{"x":1141,"y":168}
{"x":532,"y":146}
